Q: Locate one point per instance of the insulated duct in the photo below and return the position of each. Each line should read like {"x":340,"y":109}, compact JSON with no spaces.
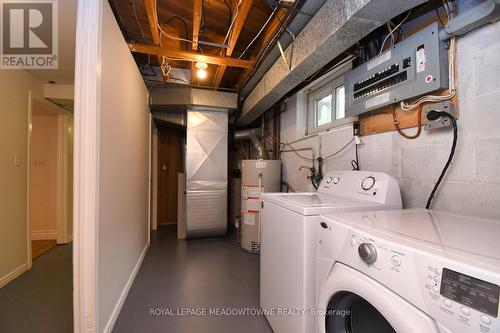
{"x":335,"y":27}
{"x":295,"y":26}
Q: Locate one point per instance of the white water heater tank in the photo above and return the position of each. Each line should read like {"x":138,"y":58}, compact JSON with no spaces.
{"x":256,"y":176}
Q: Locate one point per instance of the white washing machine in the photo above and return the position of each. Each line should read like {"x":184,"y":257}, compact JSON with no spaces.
{"x":407,"y":271}
{"x":288,"y":234}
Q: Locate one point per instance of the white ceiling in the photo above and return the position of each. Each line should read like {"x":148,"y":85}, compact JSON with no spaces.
{"x":67,"y":36}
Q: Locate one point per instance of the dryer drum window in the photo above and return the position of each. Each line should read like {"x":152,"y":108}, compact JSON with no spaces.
{"x":350,"y":313}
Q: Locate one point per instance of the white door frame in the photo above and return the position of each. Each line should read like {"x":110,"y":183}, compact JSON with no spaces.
{"x":86,"y":165}
{"x":63,"y":236}
{"x":28,"y":183}
{"x":154,"y":176}
{"x":62,"y":220}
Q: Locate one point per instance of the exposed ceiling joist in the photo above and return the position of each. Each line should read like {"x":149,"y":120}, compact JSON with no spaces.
{"x":243,"y":11}
{"x":197,"y":8}
{"x":190,"y":56}
{"x":153,"y":20}
{"x":153,"y":25}
{"x":196,"y":23}
{"x":192,"y":24}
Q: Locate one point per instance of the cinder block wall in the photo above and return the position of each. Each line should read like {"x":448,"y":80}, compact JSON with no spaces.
{"x":472,"y":185}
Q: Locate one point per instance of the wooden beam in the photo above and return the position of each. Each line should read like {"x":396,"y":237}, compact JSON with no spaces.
{"x":197,"y":8}
{"x":196,"y":23}
{"x":190,"y":56}
{"x":243,"y":11}
{"x":153,"y":25}
{"x":153,"y":20}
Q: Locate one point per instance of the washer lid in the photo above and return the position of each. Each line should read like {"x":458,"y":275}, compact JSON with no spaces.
{"x":443,"y":231}
{"x":313,"y":199}
{"x":320,"y":203}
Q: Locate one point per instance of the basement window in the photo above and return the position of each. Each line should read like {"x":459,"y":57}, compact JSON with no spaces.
{"x":326,"y":102}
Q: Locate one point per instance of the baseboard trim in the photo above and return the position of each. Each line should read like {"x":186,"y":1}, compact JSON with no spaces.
{"x":43,"y":234}
{"x":121,"y":300}
{"x":4,"y":280}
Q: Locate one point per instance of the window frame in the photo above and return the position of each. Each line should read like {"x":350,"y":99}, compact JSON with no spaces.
{"x":323,"y":87}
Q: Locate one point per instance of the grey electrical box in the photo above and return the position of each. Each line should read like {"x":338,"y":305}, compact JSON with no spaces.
{"x":417,"y":65}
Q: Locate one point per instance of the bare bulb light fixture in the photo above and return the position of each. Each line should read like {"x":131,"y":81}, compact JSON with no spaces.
{"x":201,"y":73}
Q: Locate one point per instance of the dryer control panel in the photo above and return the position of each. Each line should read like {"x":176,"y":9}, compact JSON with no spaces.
{"x":470,"y":291}
{"x":459,"y":302}
{"x":459,"y":296}
{"x":362,"y":185}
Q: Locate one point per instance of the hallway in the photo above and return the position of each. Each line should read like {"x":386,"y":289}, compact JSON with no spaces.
{"x":195,"y":274}
{"x":40,"y":300}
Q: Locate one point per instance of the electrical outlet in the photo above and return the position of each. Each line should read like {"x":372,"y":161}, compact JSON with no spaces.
{"x":442,"y":122}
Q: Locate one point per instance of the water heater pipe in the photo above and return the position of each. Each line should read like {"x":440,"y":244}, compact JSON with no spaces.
{"x":251,"y":134}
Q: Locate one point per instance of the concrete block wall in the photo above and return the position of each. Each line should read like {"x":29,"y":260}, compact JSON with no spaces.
{"x":472,"y":184}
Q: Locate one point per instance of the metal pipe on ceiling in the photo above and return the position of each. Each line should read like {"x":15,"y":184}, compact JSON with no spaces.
{"x":251,"y":134}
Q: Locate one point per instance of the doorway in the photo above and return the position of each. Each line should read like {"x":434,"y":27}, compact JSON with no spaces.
{"x":170,"y":162}
{"x":50,"y":185}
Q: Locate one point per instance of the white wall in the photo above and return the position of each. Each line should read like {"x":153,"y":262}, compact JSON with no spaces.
{"x":123,"y":171}
{"x":293,"y":128}
{"x":43,"y":182}
{"x":472,"y":185}
{"x":15,"y":86}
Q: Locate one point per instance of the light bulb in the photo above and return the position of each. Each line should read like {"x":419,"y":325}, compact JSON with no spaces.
{"x":201,"y":74}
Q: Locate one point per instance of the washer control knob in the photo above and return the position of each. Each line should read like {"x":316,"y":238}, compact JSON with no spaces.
{"x":336,"y":180}
{"x":368,"y":183}
{"x":367,"y":252}
{"x":329,"y":180}
{"x":396,"y":261}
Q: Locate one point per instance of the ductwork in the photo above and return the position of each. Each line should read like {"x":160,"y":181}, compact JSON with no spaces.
{"x":175,"y":99}
{"x":245,"y":134}
{"x":486,"y":12}
{"x":335,"y":27}
{"x":252,"y":134}
{"x":295,"y":27}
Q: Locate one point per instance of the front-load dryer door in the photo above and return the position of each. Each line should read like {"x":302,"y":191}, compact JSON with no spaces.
{"x":351,"y":302}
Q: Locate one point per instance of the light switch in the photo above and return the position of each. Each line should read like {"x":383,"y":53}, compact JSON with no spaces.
{"x":39,"y":163}
{"x":17,"y":160}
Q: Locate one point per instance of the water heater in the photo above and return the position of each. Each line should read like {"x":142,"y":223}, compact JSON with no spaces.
{"x":256,"y":176}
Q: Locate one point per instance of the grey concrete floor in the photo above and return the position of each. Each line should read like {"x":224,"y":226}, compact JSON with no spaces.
{"x":40,"y":300}
{"x":202,"y":275}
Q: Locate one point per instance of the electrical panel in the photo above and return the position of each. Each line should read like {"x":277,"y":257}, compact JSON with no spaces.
{"x":415,"y":66}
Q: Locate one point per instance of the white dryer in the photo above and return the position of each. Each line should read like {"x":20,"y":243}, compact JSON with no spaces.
{"x":407,"y":271}
{"x":288,"y":240}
